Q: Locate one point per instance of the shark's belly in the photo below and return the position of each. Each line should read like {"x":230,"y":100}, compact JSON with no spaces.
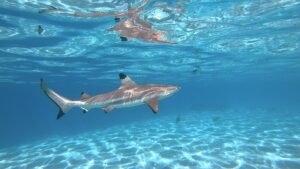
{"x":130,"y":103}
{"x":120,"y":99}
{"x":89,"y":106}
{"x":115,"y":103}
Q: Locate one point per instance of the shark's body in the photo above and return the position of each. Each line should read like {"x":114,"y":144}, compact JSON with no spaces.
{"x":129,"y":94}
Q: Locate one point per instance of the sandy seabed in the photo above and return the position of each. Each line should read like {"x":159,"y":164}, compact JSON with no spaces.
{"x":197,"y":140}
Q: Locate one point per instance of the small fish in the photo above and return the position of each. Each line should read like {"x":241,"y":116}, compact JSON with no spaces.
{"x":216,"y":119}
{"x":196,"y":69}
{"x":178,"y":119}
{"x":40,"y":29}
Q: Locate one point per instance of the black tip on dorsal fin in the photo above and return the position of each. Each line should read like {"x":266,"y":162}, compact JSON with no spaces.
{"x":123,"y":38}
{"x":122,"y":76}
{"x":126,"y":81}
{"x":117,"y":19}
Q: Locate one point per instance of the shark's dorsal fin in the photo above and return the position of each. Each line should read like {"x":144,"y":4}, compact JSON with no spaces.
{"x":84,"y":96}
{"x":153,"y":104}
{"x":126,"y":81}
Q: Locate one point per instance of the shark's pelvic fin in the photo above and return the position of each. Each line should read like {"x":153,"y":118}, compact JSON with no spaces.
{"x":108,"y":109}
{"x":153,"y":104}
{"x":84,"y":110}
{"x":84,"y":96}
{"x":126,"y":81}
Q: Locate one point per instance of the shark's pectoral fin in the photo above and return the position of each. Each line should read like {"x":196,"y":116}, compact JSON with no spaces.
{"x":153,"y":104}
{"x":108,"y":109}
{"x":84,"y":96}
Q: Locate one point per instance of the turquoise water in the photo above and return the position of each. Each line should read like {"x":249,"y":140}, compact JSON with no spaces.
{"x":201,"y":140}
{"x":237,"y":63}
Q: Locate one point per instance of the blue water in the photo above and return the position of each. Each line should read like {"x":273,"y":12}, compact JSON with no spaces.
{"x":237,"y":63}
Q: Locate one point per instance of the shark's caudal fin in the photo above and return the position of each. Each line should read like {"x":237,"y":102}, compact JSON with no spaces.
{"x":63,"y":103}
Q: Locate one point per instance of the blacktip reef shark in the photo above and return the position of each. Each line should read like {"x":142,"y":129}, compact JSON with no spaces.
{"x":127,"y":95}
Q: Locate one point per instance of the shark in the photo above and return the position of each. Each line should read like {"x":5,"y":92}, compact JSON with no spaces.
{"x":129,"y":94}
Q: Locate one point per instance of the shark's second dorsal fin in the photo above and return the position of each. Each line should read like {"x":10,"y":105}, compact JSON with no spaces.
{"x":126,"y":81}
{"x":84,"y":96}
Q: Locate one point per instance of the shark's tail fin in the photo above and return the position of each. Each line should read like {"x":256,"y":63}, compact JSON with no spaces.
{"x":63,"y":103}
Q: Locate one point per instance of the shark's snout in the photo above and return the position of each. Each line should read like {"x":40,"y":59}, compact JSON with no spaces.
{"x":176,"y":88}
{"x":173,"y":89}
